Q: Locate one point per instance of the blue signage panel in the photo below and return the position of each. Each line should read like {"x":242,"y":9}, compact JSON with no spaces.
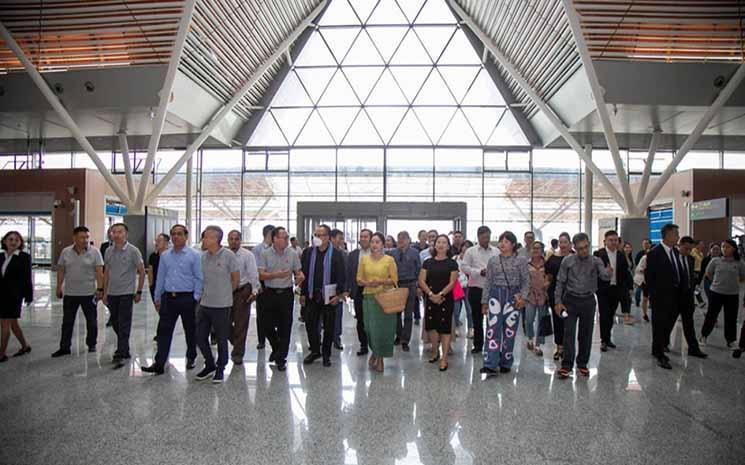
{"x":658,"y":218}
{"x":115,"y":209}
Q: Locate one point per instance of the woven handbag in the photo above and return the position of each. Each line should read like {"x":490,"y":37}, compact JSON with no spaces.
{"x":393,"y":300}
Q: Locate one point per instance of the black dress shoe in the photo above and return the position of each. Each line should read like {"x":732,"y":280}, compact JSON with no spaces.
{"x":60,"y":353}
{"x":3,"y":359}
{"x":338,"y":346}
{"x":737,"y":353}
{"x":272,"y":357}
{"x":154,"y":369}
{"x":362,"y":352}
{"x":190,"y":364}
{"x":611,"y":345}
{"x":504,"y":370}
{"x":260,"y":346}
{"x":667,"y":349}
{"x":22,"y":352}
{"x":475,"y":350}
{"x":282,"y":366}
{"x":663,"y":362}
{"x":92,"y":349}
{"x":603,"y":347}
{"x":405,"y":347}
{"x":697,"y":353}
{"x":311,"y":358}
{"x":326,"y":362}
{"x":396,"y":341}
{"x":488,"y":371}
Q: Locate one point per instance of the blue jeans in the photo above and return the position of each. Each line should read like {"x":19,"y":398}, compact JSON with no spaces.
{"x":502,"y":323}
{"x":533,"y":316}
{"x":638,"y":295}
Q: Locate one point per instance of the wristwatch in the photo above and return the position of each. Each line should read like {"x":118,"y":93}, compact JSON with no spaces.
{"x":100,"y":289}
{"x":139,"y":292}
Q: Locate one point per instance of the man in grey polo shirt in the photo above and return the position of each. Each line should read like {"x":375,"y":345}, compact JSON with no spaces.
{"x":277,"y":266}
{"x":221,"y":272}
{"x":123,"y":263}
{"x":80,"y":269}
{"x":260,"y":317}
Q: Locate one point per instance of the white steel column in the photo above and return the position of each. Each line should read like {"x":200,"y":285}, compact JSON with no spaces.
{"x":189,"y":195}
{"x":543,"y":106}
{"x":653,"y":145}
{"x":62,"y":112}
{"x":228,"y":107}
{"x":602,"y":109}
{"x":165,"y":96}
{"x":719,"y":102}
{"x":124,"y":147}
{"x":588,"y":195}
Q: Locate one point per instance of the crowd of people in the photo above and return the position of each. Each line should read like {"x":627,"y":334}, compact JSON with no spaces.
{"x":554,"y":292}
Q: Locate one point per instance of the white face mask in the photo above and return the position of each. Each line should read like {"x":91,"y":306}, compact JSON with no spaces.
{"x":317,"y":242}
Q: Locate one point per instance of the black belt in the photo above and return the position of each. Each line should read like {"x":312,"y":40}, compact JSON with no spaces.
{"x":405,"y":282}
{"x":279,"y":290}
{"x":579,"y":296}
{"x":173,"y":295}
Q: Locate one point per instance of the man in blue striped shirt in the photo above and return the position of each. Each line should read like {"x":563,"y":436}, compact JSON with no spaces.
{"x":178,"y":288}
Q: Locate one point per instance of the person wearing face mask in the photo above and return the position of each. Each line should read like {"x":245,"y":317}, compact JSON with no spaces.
{"x":355,"y":291}
{"x":505,"y":293}
{"x":15,"y":286}
{"x":323,"y":264}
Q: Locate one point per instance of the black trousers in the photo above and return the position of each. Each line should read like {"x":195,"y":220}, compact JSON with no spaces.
{"x":70,"y":304}
{"x":218,"y":320}
{"x":557,"y":321}
{"x":261,"y":318}
{"x":171,"y":308}
{"x":120,"y":307}
{"x":277,"y":309}
{"x":474,"y":298}
{"x":581,"y":317}
{"x":685,"y":309}
{"x":664,"y":307}
{"x":608,"y":300}
{"x":318,"y":314}
{"x":717,"y":301}
{"x":359,"y":316}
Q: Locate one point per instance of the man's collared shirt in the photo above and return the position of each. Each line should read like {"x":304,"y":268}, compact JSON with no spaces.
{"x":80,"y":270}
{"x":179,"y":271}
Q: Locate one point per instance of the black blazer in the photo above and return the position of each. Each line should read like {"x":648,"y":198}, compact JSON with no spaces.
{"x":16,"y":283}
{"x":623,"y":274}
{"x":338,"y":275}
{"x":659,"y":273}
{"x":353,"y":262}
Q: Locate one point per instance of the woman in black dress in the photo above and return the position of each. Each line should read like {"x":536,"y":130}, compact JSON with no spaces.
{"x":437,"y":279}
{"x":15,"y":287}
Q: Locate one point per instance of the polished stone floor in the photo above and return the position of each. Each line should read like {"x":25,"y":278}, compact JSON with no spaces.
{"x":78,"y":410}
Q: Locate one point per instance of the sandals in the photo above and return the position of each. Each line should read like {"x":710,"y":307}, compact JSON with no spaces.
{"x":538,"y":351}
{"x":444,"y":365}
{"x":531,"y":346}
{"x":435,"y":359}
{"x":23,"y":351}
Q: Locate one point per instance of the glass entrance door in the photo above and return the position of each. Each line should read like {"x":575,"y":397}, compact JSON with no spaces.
{"x":350,"y":226}
{"x":37,"y":234}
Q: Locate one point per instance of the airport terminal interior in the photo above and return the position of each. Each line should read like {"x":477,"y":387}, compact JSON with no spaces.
{"x":572,"y":169}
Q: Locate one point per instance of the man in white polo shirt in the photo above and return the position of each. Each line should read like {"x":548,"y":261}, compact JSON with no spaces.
{"x":80,"y":269}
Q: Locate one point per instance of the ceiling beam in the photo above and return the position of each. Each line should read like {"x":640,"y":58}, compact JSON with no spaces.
{"x":653,"y":146}
{"x":124,"y":148}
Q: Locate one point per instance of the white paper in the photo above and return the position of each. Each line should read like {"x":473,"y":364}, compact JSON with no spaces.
{"x":329,"y":292}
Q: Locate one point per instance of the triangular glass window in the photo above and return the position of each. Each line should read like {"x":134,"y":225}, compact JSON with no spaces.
{"x":483,"y":91}
{"x":267,"y":133}
{"x":410,"y":132}
{"x":459,"y":51}
{"x":459,"y":132}
{"x":387,"y":39}
{"x":386,"y":120}
{"x":435,"y":91}
{"x":387,"y":12}
{"x":483,"y":120}
{"x":291,"y":93}
{"x":363,"y":79}
{"x":291,"y":121}
{"x":339,"y":39}
{"x":338,"y":92}
{"x":434,"y":39}
{"x":314,"y":80}
{"x":315,"y":52}
{"x":386,"y":92}
{"x":410,"y":78}
{"x":459,"y":79}
{"x":435,"y":12}
{"x":363,"y":52}
{"x":411,"y":8}
{"x":363,"y":8}
{"x":508,"y":132}
{"x":339,"y":13}
{"x":435,"y":120}
{"x":362,"y":131}
{"x":411,"y":52}
{"x":338,"y":120}
{"x":314,"y":132}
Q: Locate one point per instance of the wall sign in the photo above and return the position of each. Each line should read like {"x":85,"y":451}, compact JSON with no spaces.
{"x":709,"y":209}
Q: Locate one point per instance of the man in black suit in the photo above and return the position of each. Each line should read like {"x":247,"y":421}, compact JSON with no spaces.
{"x":610,"y":292}
{"x":666,"y":282}
{"x":686,"y":305}
{"x":354,"y":291}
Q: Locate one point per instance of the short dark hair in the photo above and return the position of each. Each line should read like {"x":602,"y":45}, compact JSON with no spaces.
{"x":367,"y":231}
{"x":580,"y":237}
{"x":457,"y":232}
{"x":8,"y":234}
{"x":403,"y":234}
{"x":380,"y":236}
{"x":276,"y":231}
{"x":528,"y":232}
{"x":126,"y":228}
{"x":565,"y":234}
{"x":647,"y":239}
{"x":554,"y":243}
{"x":186,"y":231}
{"x":421,"y":231}
{"x":80,"y":229}
{"x":240,"y":236}
{"x":688,"y":240}
{"x":216,"y":229}
{"x":327,"y":228}
{"x":293,"y":238}
{"x":165,"y":236}
{"x":483,"y":230}
{"x":609,"y":233}
{"x":510,"y":236}
{"x":733,"y":244}
{"x":465,"y":244}
{"x":432,"y":231}
{"x":267,"y":229}
{"x":668,"y":228}
{"x":335,"y":233}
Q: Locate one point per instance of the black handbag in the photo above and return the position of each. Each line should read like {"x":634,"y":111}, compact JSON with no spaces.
{"x":545,"y":326}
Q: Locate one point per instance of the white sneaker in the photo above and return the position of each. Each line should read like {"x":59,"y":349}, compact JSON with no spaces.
{"x":702,"y":341}
{"x":470,"y":334}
